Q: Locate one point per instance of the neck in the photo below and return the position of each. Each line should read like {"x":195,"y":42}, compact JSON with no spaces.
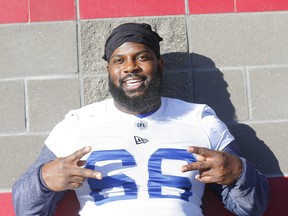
{"x":143,"y":110}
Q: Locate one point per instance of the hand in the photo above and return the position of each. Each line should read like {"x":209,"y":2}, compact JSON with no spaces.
{"x":66,"y":173}
{"x":214,"y":166}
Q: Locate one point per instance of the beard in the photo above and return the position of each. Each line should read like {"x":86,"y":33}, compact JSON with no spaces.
{"x":143,"y":103}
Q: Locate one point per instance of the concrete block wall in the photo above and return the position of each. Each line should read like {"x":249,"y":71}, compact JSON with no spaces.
{"x":230,"y":54}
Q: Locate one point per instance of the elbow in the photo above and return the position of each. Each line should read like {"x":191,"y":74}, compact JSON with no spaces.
{"x":254,"y":206}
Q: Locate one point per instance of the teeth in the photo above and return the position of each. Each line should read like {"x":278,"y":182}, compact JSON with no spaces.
{"x":132,"y":81}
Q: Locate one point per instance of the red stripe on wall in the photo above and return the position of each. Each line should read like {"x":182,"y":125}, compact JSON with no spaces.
{"x":261,"y":5}
{"x":13,"y":11}
{"x":210,"y":6}
{"x":6,"y":206}
{"x":52,"y":10}
{"x":90,"y":9}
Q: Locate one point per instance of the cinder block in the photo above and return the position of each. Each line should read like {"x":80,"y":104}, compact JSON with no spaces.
{"x":269,"y":97}
{"x":241,"y":39}
{"x":176,"y":61}
{"x":16,"y":155}
{"x":264,"y":145}
{"x":38,"y":48}
{"x":178,"y":85}
{"x":49,"y":101}
{"x":12,"y":115}
{"x":95,"y":89}
{"x":94,"y":34}
{"x":224,"y":91}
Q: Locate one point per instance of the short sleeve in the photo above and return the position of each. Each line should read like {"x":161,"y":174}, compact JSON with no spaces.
{"x":217,"y":132}
{"x":61,"y":140}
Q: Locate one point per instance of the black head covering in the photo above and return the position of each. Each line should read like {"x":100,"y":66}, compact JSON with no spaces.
{"x":132,"y":32}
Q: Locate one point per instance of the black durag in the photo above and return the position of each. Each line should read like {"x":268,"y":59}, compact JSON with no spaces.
{"x":132,"y":32}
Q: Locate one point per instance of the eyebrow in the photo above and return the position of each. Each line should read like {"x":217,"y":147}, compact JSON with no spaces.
{"x":138,"y":53}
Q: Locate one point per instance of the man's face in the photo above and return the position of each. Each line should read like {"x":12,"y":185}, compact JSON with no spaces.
{"x":135,"y":76}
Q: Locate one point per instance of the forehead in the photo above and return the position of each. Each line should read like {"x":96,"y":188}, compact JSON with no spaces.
{"x":131,"y":48}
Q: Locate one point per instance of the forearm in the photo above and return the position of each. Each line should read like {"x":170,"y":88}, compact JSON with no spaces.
{"x":30,"y":196}
{"x":249,"y":195}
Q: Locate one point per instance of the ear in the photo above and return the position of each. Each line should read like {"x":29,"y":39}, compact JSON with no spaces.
{"x":107,"y":68}
{"x":160,"y":65}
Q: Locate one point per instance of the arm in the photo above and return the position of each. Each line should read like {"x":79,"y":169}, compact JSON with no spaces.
{"x":39,"y":190}
{"x":249,"y":195}
{"x":30,"y":196}
{"x":244,"y":190}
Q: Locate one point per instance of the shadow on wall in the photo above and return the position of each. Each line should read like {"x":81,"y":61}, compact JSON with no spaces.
{"x":204,"y":83}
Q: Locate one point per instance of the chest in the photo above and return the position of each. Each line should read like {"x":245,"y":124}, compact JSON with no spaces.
{"x":140,"y":158}
{"x":141,"y":135}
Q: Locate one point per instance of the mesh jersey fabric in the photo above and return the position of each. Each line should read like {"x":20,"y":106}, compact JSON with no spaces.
{"x":140,"y":159}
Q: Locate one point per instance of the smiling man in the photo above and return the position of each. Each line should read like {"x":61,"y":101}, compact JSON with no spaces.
{"x":135,"y":68}
{"x":139,"y":153}
{"x":135,"y":78}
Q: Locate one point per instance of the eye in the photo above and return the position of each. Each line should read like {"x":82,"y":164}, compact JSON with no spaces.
{"x":117,"y":61}
{"x":142,"y":57}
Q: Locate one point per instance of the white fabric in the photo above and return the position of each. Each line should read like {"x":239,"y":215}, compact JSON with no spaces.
{"x":141,"y":152}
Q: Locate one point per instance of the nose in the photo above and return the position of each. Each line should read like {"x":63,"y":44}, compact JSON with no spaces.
{"x":130,"y":66}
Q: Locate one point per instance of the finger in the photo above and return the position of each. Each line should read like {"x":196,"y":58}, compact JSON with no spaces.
{"x":81,"y":163}
{"x":197,"y":156}
{"x":75,"y":182}
{"x":74,"y":186}
{"x":204,"y":178}
{"x":86,"y":173}
{"x":77,"y":155}
{"x":77,"y":179}
{"x":199,"y":165}
{"x":201,"y":151}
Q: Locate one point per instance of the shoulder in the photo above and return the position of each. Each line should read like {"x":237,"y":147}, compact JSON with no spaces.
{"x":95,"y":108}
{"x":89,"y":111}
{"x":77,"y":117}
{"x":62,"y":140}
{"x":184,"y":108}
{"x":201,"y":115}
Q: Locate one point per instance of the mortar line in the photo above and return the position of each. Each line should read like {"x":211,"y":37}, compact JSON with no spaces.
{"x":29,"y":11}
{"x":26,"y":106}
{"x":248,"y":93}
{"x":189,"y":48}
{"x":260,"y":121}
{"x":187,"y":25}
{"x":235,"y":6}
{"x":25,"y":134}
{"x":44,"y":77}
{"x":79,"y":55}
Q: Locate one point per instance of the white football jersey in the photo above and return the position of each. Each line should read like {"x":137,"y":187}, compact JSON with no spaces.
{"x":140,"y":158}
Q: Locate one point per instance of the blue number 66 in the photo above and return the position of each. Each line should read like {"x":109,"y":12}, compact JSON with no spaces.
{"x":155,"y":182}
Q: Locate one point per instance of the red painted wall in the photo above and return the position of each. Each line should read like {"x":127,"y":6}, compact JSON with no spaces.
{"x":277,"y":206}
{"x":19,"y":11}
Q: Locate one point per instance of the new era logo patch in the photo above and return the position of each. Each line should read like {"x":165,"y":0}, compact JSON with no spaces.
{"x":140,"y":140}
